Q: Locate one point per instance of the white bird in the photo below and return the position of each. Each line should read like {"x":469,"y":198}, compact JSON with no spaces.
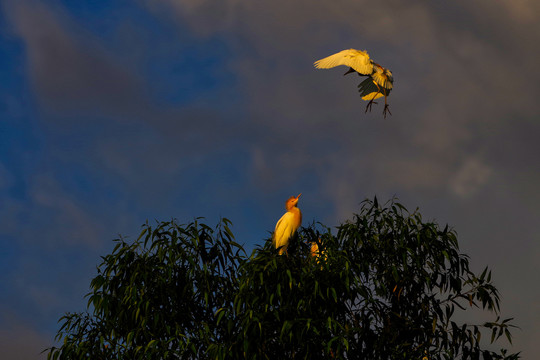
{"x":287,"y":225}
{"x":379,"y":82}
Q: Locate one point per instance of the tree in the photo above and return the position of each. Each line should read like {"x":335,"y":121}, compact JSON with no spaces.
{"x":387,"y":285}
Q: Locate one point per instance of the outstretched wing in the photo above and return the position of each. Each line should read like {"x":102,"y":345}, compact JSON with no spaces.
{"x":356,"y":59}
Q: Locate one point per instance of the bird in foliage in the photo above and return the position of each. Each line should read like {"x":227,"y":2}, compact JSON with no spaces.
{"x":316,"y":252}
{"x":287,"y":225}
{"x":379,"y":81}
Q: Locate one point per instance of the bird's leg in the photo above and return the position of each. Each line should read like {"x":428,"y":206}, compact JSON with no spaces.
{"x":386,"y":110}
{"x":369,"y":104}
{"x":386,"y":106}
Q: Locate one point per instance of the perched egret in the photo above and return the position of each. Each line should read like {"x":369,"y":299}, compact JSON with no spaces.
{"x":379,"y":82}
{"x":316,"y":252}
{"x":287,"y":225}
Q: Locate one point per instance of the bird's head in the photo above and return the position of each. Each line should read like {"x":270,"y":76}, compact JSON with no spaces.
{"x":292,"y":201}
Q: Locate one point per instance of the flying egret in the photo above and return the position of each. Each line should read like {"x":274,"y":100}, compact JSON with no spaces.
{"x":287,"y":225}
{"x":379,"y":82}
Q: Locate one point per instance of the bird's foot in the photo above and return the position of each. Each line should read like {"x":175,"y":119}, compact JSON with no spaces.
{"x":386,"y":110}
{"x":368,"y":106}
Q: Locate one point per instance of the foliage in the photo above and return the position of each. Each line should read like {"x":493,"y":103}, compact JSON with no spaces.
{"x":387,"y":286}
{"x":156,"y":298}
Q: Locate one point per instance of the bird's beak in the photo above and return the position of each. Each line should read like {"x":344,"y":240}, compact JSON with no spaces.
{"x":299,"y":195}
{"x":351,"y":70}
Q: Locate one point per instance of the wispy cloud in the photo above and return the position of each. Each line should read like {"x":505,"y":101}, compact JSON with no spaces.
{"x":471,"y":175}
{"x":69,"y":68}
{"x":20,"y":340}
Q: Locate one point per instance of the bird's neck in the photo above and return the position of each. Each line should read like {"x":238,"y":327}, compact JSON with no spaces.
{"x":297,"y":213}
{"x":293,"y":209}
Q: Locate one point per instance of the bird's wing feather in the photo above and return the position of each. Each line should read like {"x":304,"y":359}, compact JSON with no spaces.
{"x":372,"y":96}
{"x":370,"y":91}
{"x":356,"y":59}
{"x":284,"y":229}
{"x":383,"y":79}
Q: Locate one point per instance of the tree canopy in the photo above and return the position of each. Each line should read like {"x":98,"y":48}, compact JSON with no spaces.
{"x":385,"y":285}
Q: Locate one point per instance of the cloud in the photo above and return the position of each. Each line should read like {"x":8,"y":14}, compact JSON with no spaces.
{"x":287,"y":98}
{"x":448,"y":79}
{"x":99,"y":110}
{"x":65,"y":214}
{"x":523,"y":10}
{"x":20,"y":340}
{"x":69,"y":69}
{"x":471,"y":175}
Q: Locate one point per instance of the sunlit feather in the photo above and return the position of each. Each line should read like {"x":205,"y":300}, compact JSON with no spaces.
{"x":356,"y":59}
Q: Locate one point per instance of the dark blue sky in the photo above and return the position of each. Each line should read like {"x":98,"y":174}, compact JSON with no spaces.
{"x":112,"y":113}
